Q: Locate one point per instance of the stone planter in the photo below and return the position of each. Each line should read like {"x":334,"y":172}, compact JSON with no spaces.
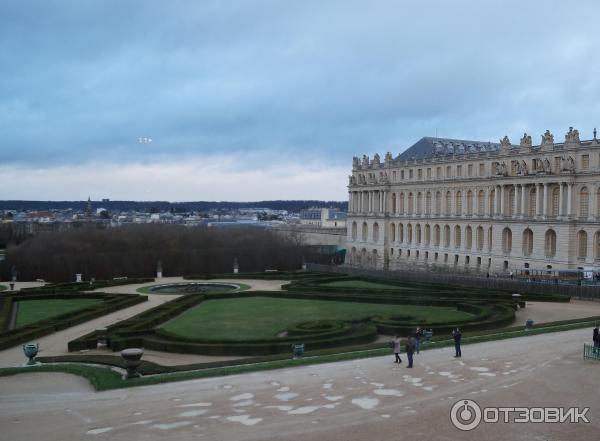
{"x":31,"y":350}
{"x":528,"y":324}
{"x":133,"y":358}
{"x":298,"y":350}
{"x":102,"y":337}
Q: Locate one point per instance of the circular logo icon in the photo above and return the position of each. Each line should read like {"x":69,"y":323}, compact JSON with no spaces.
{"x":465,"y":415}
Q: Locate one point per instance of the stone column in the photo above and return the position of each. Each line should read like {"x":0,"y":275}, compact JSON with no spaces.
{"x":594,"y":202}
{"x":502,"y":201}
{"x":496,"y":201}
{"x":515,"y":202}
{"x":561,"y":211}
{"x":523,"y":194}
{"x":538,"y":200}
{"x":464,"y":204}
{"x":569,"y":199}
{"x":545,"y":200}
{"x":405,"y":203}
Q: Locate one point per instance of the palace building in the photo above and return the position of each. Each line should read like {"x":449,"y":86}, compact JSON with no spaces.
{"x":478,"y":206}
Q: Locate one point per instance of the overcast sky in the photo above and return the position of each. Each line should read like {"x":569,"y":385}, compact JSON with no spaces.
{"x":254,"y":100}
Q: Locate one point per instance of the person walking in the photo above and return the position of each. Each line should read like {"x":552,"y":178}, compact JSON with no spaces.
{"x":395,"y":344}
{"x":596,"y":338}
{"x":417,"y":335}
{"x":456,"y":335}
{"x":410,"y":350}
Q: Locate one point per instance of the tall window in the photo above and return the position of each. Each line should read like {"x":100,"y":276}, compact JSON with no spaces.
{"x":365,"y":231}
{"x":550,"y":243}
{"x":448,"y":202}
{"x":457,"y":236}
{"x":354,"y":230}
{"x":400,"y":233}
{"x":410,"y":203}
{"x":527,"y":242}
{"x":532,"y":202}
{"x":438,"y":202}
{"x":419,"y":203}
{"x":428,"y":203}
{"x":490,"y":236}
{"x":436,"y":235}
{"x":506,"y":241}
{"x":491,"y":202}
{"x":511,"y":202}
{"x":597,"y":245}
{"x":375,"y":232}
{"x":418,"y":234}
{"x":458,"y":199}
{"x":393,"y":232}
{"x":468,"y":238}
{"x":427,"y":234}
{"x":482,"y":169}
{"x":584,"y":202}
{"x":479,"y":238}
{"x":581,"y":244}
{"x":402,"y":211}
{"x":409,"y":233}
{"x":394,"y":202}
{"x":555,"y":201}
{"x":585,"y":162}
{"x":469,"y":202}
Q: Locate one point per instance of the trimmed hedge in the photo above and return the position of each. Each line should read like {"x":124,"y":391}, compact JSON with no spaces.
{"x":111,"y":303}
{"x":52,"y":288}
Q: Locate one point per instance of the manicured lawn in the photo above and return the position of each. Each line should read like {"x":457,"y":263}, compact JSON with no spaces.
{"x":31,"y":311}
{"x":264,"y":317}
{"x":360,"y":284}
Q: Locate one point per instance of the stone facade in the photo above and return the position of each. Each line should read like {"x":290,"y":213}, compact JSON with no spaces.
{"x":481,"y":207}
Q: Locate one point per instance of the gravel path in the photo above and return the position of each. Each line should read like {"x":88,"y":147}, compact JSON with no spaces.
{"x":371,"y":399}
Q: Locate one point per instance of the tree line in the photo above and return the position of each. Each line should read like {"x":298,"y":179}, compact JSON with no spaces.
{"x":135,"y":250}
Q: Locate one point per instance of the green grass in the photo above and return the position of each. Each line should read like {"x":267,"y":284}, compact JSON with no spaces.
{"x":242,"y":287}
{"x":264,"y":317}
{"x":31,"y":311}
{"x":360,"y":284}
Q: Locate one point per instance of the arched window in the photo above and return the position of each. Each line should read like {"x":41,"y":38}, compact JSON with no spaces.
{"x":438,"y":203}
{"x":446,"y":236}
{"x":375,"y":232}
{"x":448,"y":203}
{"x":436,"y":235}
{"x":393,"y":232}
{"x":506,"y":241}
{"x":409,"y":233}
{"x":353,"y":256}
{"x":481,"y":203}
{"x":550,"y":243}
{"x":354,"y":230}
{"x":418,"y":234}
{"x":363,"y":257}
{"x":527,"y":242}
{"x":410,"y":203}
{"x":584,"y":202}
{"x":490,"y":236}
{"x":532,"y":202}
{"x":581,"y":244}
{"x":394,"y":202}
{"x":491,"y":202}
{"x":479,"y":238}
{"x":511,"y":202}
{"x":419,"y":209}
{"x":365,"y":231}
{"x":458,"y":203}
{"x":457,"y":236}
{"x":427,"y":234}
{"x":468,"y":237}
{"x":402,"y":207}
{"x":470,"y":203}
{"x":555,"y":201}
{"x":428,"y":203}
{"x":375,"y":258}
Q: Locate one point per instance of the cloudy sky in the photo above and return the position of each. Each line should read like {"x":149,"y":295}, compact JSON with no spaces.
{"x":253,"y":100}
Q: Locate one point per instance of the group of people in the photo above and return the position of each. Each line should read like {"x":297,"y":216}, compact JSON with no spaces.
{"x":413,"y":344}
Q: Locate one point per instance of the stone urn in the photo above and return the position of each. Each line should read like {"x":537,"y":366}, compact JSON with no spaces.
{"x":133,"y":359}
{"x":528,"y":324}
{"x":298,"y":350}
{"x":31,"y":350}
{"x":102,"y":337}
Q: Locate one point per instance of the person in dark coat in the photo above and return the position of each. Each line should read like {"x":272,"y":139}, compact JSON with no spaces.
{"x":410,"y":350}
{"x":456,"y":335}
{"x":417,"y":338}
{"x":596,"y":337}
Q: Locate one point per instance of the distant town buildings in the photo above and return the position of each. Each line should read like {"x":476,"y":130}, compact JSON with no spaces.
{"x":323,"y":217}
